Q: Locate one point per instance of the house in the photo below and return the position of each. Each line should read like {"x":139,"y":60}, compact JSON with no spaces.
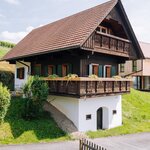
{"x":93,"y":41}
{"x":138,"y":69}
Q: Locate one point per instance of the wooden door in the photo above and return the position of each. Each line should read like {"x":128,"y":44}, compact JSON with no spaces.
{"x":100,"y":118}
{"x":108,"y":71}
{"x":64,"y":70}
{"x":95,"y":69}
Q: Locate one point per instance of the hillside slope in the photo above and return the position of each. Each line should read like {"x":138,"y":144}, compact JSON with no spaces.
{"x":5,"y":48}
{"x":3,"y":51}
{"x":136,"y":115}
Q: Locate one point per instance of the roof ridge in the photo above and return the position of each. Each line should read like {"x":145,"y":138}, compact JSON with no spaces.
{"x":75,"y":14}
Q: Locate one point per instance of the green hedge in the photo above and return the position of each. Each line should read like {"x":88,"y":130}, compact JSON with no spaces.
{"x":6,"y":44}
{"x":7,"y":78}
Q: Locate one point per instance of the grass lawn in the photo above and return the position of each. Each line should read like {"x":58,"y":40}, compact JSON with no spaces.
{"x":15,"y":130}
{"x":136,"y":116}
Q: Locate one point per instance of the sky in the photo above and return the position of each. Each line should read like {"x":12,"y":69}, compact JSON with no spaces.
{"x":19,"y":17}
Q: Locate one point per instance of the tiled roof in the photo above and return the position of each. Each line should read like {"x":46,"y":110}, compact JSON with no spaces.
{"x":145,"y":49}
{"x":63,"y":34}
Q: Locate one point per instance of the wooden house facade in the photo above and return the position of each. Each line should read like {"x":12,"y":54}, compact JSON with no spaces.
{"x":93,"y":41}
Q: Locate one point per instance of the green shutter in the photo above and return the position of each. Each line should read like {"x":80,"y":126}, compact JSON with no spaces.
{"x":54,"y":69}
{"x":100,"y":71}
{"x":69,"y":68}
{"x":37,"y":70}
{"x":59,"y":70}
{"x":45,"y":70}
{"x":113,"y":71}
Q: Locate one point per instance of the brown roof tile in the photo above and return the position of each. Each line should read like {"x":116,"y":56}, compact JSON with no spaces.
{"x":65,"y":33}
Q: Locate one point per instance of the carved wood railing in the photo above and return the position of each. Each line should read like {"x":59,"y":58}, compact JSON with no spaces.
{"x":108,"y":42}
{"x":81,"y":87}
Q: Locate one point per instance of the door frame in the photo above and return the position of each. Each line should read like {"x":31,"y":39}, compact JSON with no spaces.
{"x":104,"y":118}
{"x":104,"y":73}
{"x":99,"y":118}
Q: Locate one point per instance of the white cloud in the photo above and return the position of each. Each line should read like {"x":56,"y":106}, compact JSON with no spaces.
{"x":2,"y":16}
{"x":15,"y":2}
{"x":15,"y":37}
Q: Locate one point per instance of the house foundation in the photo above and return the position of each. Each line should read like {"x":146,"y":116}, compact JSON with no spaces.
{"x":90,"y":113}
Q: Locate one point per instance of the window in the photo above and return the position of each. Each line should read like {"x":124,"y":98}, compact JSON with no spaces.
{"x":88,"y":117}
{"x":103,"y":29}
{"x":95,"y":69}
{"x":134,"y":65}
{"x":114,"y":112}
{"x":108,"y":71}
{"x":37,"y":69}
{"x":64,"y":70}
{"x":51,"y":69}
{"x":122,"y":68}
{"x":20,"y":73}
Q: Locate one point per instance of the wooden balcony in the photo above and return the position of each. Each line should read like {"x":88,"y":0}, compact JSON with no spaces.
{"x":88,"y":87}
{"x":108,"y":44}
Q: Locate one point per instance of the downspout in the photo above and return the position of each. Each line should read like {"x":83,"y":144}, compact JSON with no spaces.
{"x":26,"y":66}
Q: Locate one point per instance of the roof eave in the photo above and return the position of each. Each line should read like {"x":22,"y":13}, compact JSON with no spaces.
{"x":41,"y":53}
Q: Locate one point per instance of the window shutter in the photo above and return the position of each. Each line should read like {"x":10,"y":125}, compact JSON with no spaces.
{"x":113,"y":71}
{"x":45,"y":70}
{"x":37,"y":70}
{"x":54,"y":69}
{"x":100,"y":71}
{"x":90,"y":69}
{"x":69,"y":68}
{"x":23,"y":73}
{"x":18,"y":73}
{"x":59,"y":70}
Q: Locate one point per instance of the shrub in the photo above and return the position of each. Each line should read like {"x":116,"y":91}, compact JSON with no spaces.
{"x":36,"y":93}
{"x":4,"y":101}
{"x":93,"y":76}
{"x":7,"y":78}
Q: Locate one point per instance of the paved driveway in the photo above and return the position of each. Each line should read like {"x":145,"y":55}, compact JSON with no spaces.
{"x":139,"y":141}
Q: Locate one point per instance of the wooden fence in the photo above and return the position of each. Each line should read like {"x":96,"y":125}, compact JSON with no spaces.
{"x":87,"y":145}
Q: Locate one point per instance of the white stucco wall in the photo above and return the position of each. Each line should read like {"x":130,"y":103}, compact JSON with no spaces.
{"x":68,"y":106}
{"x":91,"y":105}
{"x":77,"y":109}
{"x":20,"y":82}
{"x":146,"y":70}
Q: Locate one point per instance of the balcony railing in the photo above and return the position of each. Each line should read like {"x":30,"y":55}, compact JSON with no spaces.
{"x":107,"y":43}
{"x":82,"y":87}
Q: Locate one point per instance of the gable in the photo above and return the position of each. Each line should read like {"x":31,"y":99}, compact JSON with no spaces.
{"x":118,"y":24}
{"x":116,"y":14}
